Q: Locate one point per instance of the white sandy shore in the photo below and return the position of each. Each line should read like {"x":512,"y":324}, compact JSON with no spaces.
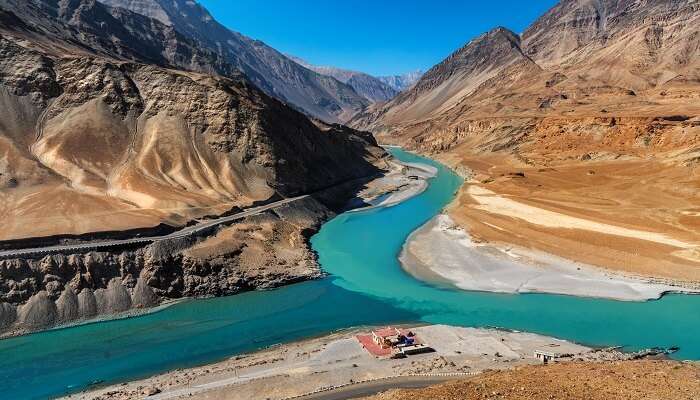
{"x":443,"y":250}
{"x":303,"y":367}
{"x":404,"y":181}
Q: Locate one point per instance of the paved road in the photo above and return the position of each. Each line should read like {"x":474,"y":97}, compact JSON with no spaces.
{"x":190,"y":230}
{"x":371,"y":388}
{"x":355,"y":391}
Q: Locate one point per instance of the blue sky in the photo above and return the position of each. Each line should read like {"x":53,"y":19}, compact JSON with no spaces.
{"x":381,"y":37}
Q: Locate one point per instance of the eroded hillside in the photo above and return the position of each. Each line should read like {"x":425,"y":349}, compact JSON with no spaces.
{"x":317,"y":94}
{"x":96,"y":144}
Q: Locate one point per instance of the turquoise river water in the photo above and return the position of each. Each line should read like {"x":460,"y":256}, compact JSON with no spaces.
{"x":366,"y":286}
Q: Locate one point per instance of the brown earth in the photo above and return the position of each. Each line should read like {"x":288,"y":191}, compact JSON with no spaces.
{"x":647,"y":380}
{"x":110,"y":121}
{"x":593,"y":113}
{"x":259,"y":252}
{"x":640,"y":195}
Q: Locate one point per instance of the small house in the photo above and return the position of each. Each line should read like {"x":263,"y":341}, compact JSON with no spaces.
{"x":546,"y":356}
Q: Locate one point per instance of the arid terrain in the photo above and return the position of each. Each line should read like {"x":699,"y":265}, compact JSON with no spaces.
{"x":637,"y":216}
{"x":579,"y":137}
{"x":198,"y":162}
{"x":115,"y":125}
{"x":339,"y":359}
{"x":643,"y":380}
{"x":482,"y":363}
{"x":269,"y":70}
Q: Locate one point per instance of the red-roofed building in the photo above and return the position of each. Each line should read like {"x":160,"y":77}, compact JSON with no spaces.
{"x":386,"y":338}
{"x":382,"y":342}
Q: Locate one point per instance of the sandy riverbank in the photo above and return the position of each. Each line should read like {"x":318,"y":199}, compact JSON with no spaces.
{"x":338,"y":359}
{"x":631,"y":217}
{"x":402,"y":182}
{"x":443,"y":252}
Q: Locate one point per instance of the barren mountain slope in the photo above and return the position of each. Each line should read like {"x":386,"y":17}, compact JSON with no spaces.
{"x":373,"y":89}
{"x":95,"y":143}
{"x":593,"y":113}
{"x":444,"y":86}
{"x":316,"y":94}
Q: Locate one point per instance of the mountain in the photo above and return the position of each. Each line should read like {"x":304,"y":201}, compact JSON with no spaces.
{"x":115,"y":125}
{"x":580,"y":58}
{"x":113,"y":109}
{"x":402,"y":82}
{"x":318,"y":95}
{"x":637,"y":44}
{"x":444,"y":86}
{"x":592,"y":110}
{"x":373,"y":89}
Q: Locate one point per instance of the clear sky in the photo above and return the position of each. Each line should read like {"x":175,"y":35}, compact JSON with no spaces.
{"x":380,"y":37}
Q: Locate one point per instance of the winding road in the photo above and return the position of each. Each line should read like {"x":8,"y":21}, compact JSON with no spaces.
{"x":187,"y":231}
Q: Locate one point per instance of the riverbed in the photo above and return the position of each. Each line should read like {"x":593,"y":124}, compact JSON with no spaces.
{"x":366,"y":286}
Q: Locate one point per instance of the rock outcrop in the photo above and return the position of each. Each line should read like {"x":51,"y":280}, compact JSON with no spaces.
{"x":67,"y":306}
{"x":8,"y":315}
{"x":259,"y":252}
{"x":38,"y":312}
{"x":87,"y":304}
{"x":114,"y":299}
{"x":143,"y":296}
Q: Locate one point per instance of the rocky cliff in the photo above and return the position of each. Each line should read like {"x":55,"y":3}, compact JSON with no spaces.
{"x":112,"y":121}
{"x":260,"y":252}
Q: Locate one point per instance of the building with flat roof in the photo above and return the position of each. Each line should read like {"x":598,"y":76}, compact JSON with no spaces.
{"x":392,"y":337}
{"x":385,"y":341}
{"x":546,"y":356}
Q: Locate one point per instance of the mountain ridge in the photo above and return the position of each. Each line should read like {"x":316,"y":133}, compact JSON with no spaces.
{"x":372,"y":88}
{"x":61,"y":94}
{"x":598,"y":48}
{"x":318,"y":95}
{"x":444,"y":85}
{"x":403,"y":81}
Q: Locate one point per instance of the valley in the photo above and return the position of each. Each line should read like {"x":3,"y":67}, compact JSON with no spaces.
{"x":196,"y":332}
{"x":190,"y":213}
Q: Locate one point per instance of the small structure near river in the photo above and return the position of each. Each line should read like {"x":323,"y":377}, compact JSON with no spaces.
{"x":546,"y":356}
{"x":390,"y":341}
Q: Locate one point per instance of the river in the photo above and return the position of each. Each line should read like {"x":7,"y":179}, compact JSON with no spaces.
{"x":366,"y":286}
